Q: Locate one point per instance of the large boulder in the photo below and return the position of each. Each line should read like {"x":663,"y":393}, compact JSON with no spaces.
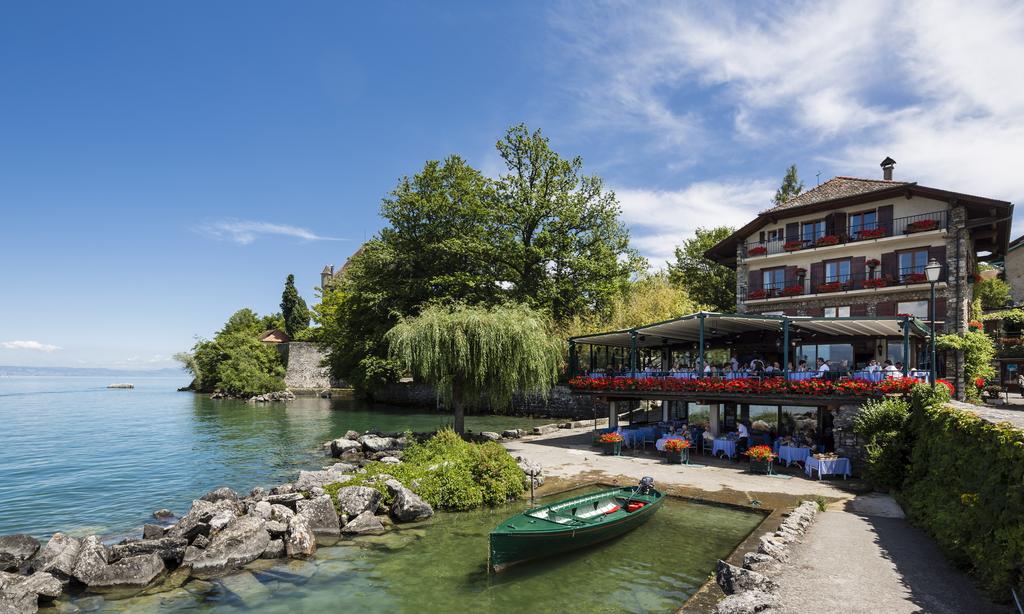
{"x":58,"y":556}
{"x":170,"y":549}
{"x":195,"y":522}
{"x":353,"y":435}
{"x":511,"y":434}
{"x":16,"y":550}
{"x":301,"y":541}
{"x":309,"y":480}
{"x":734,"y":579}
{"x":133,"y":572}
{"x":364,"y":524}
{"x":241,"y":541}
{"x":490,"y":436}
{"x":748,"y":602}
{"x":376,"y":443}
{"x":545,"y":429}
{"x":773,"y":548}
{"x":288,"y":499}
{"x":343,"y":445}
{"x":153,"y":531}
{"x":42,"y":584}
{"x":407,"y":506}
{"x":354,"y":500}
{"x":220,"y":494}
{"x":275,"y":550}
{"x":322,"y":517}
{"x":92,"y":560}
{"x":263,"y":509}
{"x":281,"y":513}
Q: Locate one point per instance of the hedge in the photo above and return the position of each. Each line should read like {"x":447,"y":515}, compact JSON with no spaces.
{"x":965,"y":486}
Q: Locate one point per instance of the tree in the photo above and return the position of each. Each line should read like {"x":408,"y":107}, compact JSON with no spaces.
{"x":791,"y":186}
{"x":650,"y":298}
{"x":471,"y":353}
{"x":293,"y":309}
{"x":235,"y":360}
{"x":993,"y":292}
{"x":564,"y":247}
{"x":704,"y":280}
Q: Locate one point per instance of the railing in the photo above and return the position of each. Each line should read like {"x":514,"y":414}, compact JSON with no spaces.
{"x":937,"y":220}
{"x":832,"y":375}
{"x":801,"y":285}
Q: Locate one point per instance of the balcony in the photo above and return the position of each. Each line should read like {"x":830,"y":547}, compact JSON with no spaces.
{"x":802,"y":286}
{"x":902,"y":226}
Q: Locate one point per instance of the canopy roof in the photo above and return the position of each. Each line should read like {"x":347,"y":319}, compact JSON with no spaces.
{"x":686,"y":329}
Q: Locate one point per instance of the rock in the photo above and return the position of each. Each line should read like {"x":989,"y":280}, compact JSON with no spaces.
{"x":153,"y":531}
{"x":195,"y":522}
{"x":133,"y":572}
{"x":756,"y":561}
{"x":545,"y":429}
{"x":42,"y":584}
{"x":241,"y":541}
{"x":222,"y":519}
{"x":201,"y":541}
{"x":408,"y":506}
{"x":531,"y":469}
{"x":281,"y":395}
{"x":771,"y":547}
{"x":490,"y":436}
{"x":286,"y":499}
{"x":283,"y":489}
{"x":375,"y":443}
{"x":163,"y":513}
{"x":511,"y":434}
{"x":734,"y":579}
{"x":281,"y":513}
{"x":364,"y":524}
{"x":351,"y":435}
{"x":316,"y":491}
{"x":322,"y":517}
{"x":92,"y":560}
{"x":274,"y":550}
{"x":257,"y":493}
{"x":277,"y":528}
{"x":341,"y":468}
{"x":390,"y":460}
{"x":170,"y":549}
{"x":247,"y":588}
{"x":18,"y":602}
{"x":301,"y":541}
{"x":58,"y":556}
{"x":220,"y":494}
{"x":16,"y":550}
{"x":747,"y":602}
{"x":354,"y":500}
{"x":313,"y":479}
{"x":263,"y":509}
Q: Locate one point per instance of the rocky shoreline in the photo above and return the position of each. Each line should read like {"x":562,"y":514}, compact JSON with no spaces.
{"x":221,"y":532}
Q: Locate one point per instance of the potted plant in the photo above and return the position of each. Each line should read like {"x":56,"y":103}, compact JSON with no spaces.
{"x":922,"y":225}
{"x":792,"y":246}
{"x":677,"y":451}
{"x":831,"y":286}
{"x":757,"y":250}
{"x":876,"y":282}
{"x":914,"y":278}
{"x":611,"y":443}
{"x":871,"y":233}
{"x":975,"y":325}
{"x":827,"y":240}
{"x":795,"y":290}
{"x":761,"y":458}
{"x":872,"y":263}
{"x":756,"y":294}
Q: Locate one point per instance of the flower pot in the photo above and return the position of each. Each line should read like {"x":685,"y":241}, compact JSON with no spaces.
{"x":761,"y":465}
{"x":612,"y":449}
{"x":677,"y":458}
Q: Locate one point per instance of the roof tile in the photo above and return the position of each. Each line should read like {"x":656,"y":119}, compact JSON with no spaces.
{"x":837,"y":187}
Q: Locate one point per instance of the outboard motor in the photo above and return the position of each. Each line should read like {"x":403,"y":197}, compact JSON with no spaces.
{"x":646,"y":486}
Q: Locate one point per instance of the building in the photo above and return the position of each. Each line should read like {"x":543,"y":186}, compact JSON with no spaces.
{"x":855,"y":247}
{"x":1013,"y":269}
{"x":329,"y":276}
{"x":275,"y":336}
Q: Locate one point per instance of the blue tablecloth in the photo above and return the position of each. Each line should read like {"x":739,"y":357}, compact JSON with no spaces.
{"x":839,"y":466}
{"x":792,"y":454}
{"x":634,"y":437}
{"x":724,"y":445}
{"x":803,"y":375}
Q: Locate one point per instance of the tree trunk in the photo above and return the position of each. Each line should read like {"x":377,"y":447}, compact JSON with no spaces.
{"x":460,"y":410}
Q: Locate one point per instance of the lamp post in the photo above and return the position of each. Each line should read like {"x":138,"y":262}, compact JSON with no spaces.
{"x":932,"y":271}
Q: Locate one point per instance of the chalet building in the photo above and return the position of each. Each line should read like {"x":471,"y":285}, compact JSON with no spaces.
{"x":1013,"y":268}
{"x":858,"y":247}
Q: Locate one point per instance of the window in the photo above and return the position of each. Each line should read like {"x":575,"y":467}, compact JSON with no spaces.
{"x":774,"y":235}
{"x":913,"y":262}
{"x":774,"y":279}
{"x":812,"y":231}
{"x":918,"y":309}
{"x":837,"y":270}
{"x":837,"y":312}
{"x":867,"y":220}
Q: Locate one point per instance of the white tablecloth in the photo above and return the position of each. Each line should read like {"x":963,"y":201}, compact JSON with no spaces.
{"x":839,"y":466}
{"x":660,"y":444}
{"x":724,"y":445}
{"x":792,"y":454}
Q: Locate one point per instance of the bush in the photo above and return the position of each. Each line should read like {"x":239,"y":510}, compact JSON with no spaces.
{"x":979,"y":353}
{"x":881,"y":424}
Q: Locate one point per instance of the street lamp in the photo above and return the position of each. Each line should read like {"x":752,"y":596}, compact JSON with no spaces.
{"x":931,"y":271}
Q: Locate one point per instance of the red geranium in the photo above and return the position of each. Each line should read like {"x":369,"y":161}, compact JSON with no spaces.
{"x":922,"y":225}
{"x":792,"y":246}
{"x":756,"y":294}
{"x":871,"y":233}
{"x":758,"y":250}
{"x":676,"y":445}
{"x":879,"y":282}
{"x":609,"y":438}
{"x":914,"y":278}
{"x":761,"y":452}
{"x":947,"y":384}
{"x":827,"y":240}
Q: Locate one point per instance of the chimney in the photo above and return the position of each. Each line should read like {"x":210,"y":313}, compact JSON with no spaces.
{"x":887,"y":165}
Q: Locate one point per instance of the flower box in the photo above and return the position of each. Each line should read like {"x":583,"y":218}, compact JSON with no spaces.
{"x":915,"y":278}
{"x":871,"y":233}
{"x":827,"y":240}
{"x":757,"y":294}
{"x":793,"y":246}
{"x":879,"y":282}
{"x":677,"y":451}
{"x":832,"y":286}
{"x":612,"y":449}
{"x":758,"y":250}
{"x":872,"y":262}
{"x":767,"y":386}
{"x":922,"y":225}
{"x":792,"y":291}
{"x":761,"y":466}
{"x":760,"y":458}
{"x":975,"y":325}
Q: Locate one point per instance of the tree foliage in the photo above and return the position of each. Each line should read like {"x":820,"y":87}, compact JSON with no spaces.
{"x":704,"y":280}
{"x":979,"y":352}
{"x":473,"y":354}
{"x":650,"y":298}
{"x":994,"y":293}
{"x":791,"y":186}
{"x":293,"y":309}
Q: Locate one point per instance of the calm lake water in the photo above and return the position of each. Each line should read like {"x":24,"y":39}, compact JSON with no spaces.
{"x":79,"y":458}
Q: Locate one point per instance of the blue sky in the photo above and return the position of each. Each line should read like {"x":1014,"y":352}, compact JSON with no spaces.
{"x":163,"y":164}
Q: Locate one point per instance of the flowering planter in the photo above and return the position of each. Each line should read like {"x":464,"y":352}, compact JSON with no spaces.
{"x":677,"y":458}
{"x":761,"y":465}
{"x":922,"y":225}
{"x":793,"y":246}
{"x":915,"y":278}
{"x":612,"y":449}
{"x":757,"y":251}
{"x":756,"y":294}
{"x":827,"y":240}
{"x":871,"y":233}
{"x":832,"y":286}
{"x":793,"y":290}
{"x":768,"y":386}
{"x":876,"y":283}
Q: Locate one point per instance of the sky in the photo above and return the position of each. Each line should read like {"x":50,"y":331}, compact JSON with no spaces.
{"x":164,"y":164}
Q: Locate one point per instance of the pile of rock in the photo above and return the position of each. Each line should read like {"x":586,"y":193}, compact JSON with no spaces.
{"x":221,"y":532}
{"x":281,"y":395}
{"x":750,"y":588}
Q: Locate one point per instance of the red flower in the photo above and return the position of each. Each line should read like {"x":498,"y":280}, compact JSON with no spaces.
{"x":871,"y":233}
{"x":827,"y":240}
{"x":922,"y":225}
{"x":879,"y":282}
{"x":756,"y":294}
{"x":793,"y":290}
{"x":761,"y":452}
{"x":676,"y":445}
{"x":612,"y":437}
{"x":792,"y":246}
{"x":914,"y":278}
{"x":758,"y":250}
{"x":947,"y":384}
{"x":831,"y":286}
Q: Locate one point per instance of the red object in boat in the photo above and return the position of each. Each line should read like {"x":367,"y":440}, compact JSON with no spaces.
{"x":633,"y":506}
{"x":614,"y":509}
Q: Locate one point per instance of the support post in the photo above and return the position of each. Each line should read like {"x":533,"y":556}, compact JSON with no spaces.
{"x":933,"y":336}
{"x":785,"y":348}
{"x":664,"y":410}
{"x":613,"y":415}
{"x":700,"y":349}
{"x":906,"y":346}
{"x":573,"y":362}
{"x":632,"y":353}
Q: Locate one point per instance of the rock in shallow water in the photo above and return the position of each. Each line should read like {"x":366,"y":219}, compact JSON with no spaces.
{"x":15,"y":550}
{"x":322,"y":517}
{"x":354,"y":500}
{"x":242,"y":541}
{"x":301,"y":541}
{"x":345,"y":445}
{"x":170,"y":549}
{"x":58,"y":556}
{"x":364,"y":524}
{"x":407,"y":506}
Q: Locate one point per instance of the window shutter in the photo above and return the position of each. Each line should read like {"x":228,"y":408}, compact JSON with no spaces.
{"x":761,"y":237}
{"x":793,"y":231}
{"x":859,"y":310}
{"x":839,"y":224}
{"x":890,"y":266}
{"x":938,"y":252}
{"x":857,"y":270}
{"x":830,"y":224}
{"x":885,"y":308}
{"x":790,"y":276}
{"x":754,"y":279}
{"x":885,"y":219}
{"x":940,"y":314}
{"x":817,"y":275}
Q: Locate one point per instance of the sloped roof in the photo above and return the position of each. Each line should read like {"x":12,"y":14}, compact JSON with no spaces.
{"x":838,"y":187}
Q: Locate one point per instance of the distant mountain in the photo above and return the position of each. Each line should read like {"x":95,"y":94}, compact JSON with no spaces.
{"x":6,"y":371}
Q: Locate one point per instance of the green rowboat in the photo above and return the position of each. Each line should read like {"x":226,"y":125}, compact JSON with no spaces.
{"x":572,"y":524}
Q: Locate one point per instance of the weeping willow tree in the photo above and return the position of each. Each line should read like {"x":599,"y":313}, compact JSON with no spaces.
{"x":475,"y":354}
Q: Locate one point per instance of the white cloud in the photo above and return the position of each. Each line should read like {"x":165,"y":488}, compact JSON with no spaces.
{"x":245,"y":232}
{"x":34,"y":346}
{"x":660,"y":220}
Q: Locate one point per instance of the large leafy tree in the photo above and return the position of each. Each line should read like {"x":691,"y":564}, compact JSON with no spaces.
{"x":564,"y":247}
{"x":293,"y":309}
{"x":235,"y":361}
{"x":649,"y":298}
{"x":704,"y":280}
{"x":791,"y":186}
{"x":473,"y":354}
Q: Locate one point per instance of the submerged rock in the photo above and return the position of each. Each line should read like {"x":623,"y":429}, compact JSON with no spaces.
{"x":364,"y":524}
{"x":354,"y":500}
{"x":16,"y":550}
{"x":241,"y":541}
{"x":322,"y":517}
{"x":247,"y":588}
{"x":301,"y":541}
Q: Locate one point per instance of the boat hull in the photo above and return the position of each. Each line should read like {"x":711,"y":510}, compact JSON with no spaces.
{"x":512,"y":547}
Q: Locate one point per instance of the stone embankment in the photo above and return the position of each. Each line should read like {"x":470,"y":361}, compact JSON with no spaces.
{"x":751,"y":588}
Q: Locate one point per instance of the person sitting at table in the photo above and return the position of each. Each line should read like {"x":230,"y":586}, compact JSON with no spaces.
{"x":823,"y":367}
{"x":707,"y":370}
{"x":734,"y":362}
{"x":873,"y":366}
{"x":801,"y":367}
{"x":889,"y":368}
{"x":789,"y":367}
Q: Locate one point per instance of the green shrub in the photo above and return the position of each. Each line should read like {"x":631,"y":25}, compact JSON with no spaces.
{"x":881,"y":424}
{"x":979,"y":353}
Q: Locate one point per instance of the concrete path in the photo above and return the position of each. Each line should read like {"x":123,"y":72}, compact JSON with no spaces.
{"x":863,"y":557}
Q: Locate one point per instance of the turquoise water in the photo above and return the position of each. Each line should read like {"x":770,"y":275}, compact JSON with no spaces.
{"x":440,"y":566}
{"x":80,"y":458}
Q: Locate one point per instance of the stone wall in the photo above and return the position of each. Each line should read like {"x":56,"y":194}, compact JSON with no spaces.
{"x":560,"y":403}
{"x":848,"y":443}
{"x":304,"y":370}
{"x":1015,"y":274}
